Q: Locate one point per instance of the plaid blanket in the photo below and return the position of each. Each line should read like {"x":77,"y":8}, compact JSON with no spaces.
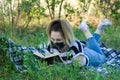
{"x":16,"y":53}
{"x":112,"y":59}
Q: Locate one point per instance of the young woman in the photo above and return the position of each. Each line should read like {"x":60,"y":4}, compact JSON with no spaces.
{"x":63,"y":40}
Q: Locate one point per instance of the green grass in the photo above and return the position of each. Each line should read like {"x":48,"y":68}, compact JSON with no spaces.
{"x":58,"y":71}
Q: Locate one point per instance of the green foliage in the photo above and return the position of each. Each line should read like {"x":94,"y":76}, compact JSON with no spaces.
{"x":41,"y":70}
{"x":111,"y":38}
{"x":3,"y":49}
{"x":32,"y":11}
{"x":111,"y":9}
{"x":5,"y":64}
{"x":26,"y":6}
{"x":69,"y":9}
{"x":18,"y":11}
{"x":38,"y":70}
{"x":84,"y":5}
{"x":8,"y":1}
{"x":77,"y":11}
{"x":32,"y":8}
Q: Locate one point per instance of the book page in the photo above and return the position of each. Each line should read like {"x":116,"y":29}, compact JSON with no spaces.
{"x":39,"y":54}
{"x":45,"y":54}
{"x":51,"y":55}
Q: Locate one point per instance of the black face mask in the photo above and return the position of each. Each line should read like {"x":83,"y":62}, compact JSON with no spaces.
{"x":59,"y":45}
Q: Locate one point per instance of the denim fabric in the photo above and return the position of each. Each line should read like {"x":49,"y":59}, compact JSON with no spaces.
{"x":93,"y":51}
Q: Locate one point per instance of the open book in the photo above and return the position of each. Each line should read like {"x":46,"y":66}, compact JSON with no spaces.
{"x":45,"y":54}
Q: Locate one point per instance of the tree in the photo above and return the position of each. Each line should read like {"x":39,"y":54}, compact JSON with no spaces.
{"x":13,"y":9}
{"x":51,"y":5}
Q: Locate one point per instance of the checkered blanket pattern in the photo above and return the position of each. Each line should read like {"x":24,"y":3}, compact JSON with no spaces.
{"x":17,"y":52}
{"x":112,"y":59}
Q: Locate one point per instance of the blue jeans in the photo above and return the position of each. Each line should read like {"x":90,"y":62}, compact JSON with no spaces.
{"x":93,"y":51}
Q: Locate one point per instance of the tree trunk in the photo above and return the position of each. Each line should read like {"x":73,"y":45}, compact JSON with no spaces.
{"x":18,"y":13}
{"x":53,"y":9}
{"x":3,"y":12}
{"x":48,"y":6}
{"x":27,"y":22}
{"x":60,"y":8}
{"x":11,"y":5}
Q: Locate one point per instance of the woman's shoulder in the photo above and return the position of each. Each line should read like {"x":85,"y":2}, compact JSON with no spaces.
{"x":78,"y":44}
{"x":75,"y":43}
